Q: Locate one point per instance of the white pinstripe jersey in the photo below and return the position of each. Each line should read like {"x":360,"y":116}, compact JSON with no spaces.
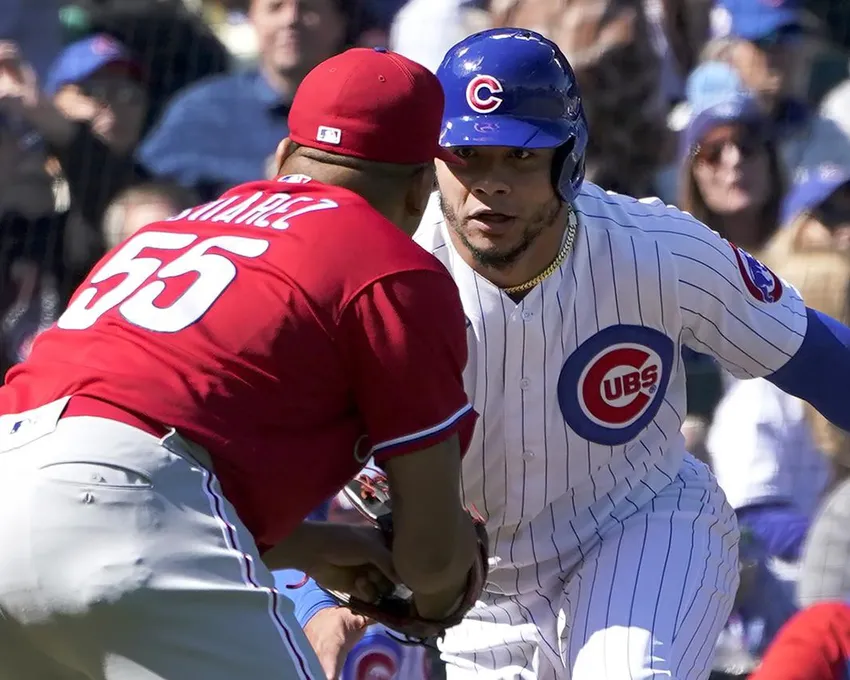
{"x":580,"y":386}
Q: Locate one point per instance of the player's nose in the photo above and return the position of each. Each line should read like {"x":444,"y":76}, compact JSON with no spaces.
{"x":490,"y":186}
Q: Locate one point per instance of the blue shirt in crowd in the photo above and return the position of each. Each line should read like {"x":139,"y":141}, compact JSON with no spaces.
{"x":217,"y":133}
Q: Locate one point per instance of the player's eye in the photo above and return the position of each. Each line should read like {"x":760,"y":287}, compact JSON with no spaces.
{"x":463,"y":151}
{"x":521,"y":154}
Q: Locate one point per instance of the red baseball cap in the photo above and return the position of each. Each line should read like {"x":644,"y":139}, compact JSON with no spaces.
{"x":371,"y":104}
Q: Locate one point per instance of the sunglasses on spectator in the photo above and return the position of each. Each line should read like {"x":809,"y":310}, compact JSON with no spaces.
{"x":114,"y":92}
{"x":748,"y":144}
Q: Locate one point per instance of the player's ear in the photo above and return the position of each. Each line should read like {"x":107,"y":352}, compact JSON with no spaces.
{"x":284,"y":150}
{"x":419,"y":191}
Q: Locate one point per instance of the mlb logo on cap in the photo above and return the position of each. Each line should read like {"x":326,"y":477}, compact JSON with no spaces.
{"x":329,"y":135}
{"x":389,"y":108}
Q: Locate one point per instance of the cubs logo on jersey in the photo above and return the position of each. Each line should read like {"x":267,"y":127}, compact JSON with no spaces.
{"x":481,"y":94}
{"x":760,"y":282}
{"x":611,"y":387}
{"x":377,"y":656}
{"x":375,"y":665}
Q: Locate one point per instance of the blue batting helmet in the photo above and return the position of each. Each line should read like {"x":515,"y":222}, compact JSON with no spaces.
{"x":513,"y":87}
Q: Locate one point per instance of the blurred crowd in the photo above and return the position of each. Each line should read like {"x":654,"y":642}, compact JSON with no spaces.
{"x":116,"y":113}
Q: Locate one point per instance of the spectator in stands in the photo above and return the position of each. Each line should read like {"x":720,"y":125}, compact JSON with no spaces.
{"x":25,"y":187}
{"x":761,"y":39}
{"x":823,"y":278}
{"x":97,"y":82}
{"x":90,"y":116}
{"x":825,"y":565}
{"x":611,"y":49}
{"x":685,"y":27}
{"x":677,"y":29}
{"x":764,"y":457}
{"x":141,"y":205}
{"x":174,"y":45}
{"x":31,"y":264}
{"x":764,"y":36}
{"x":731,"y":178}
{"x":822,"y":275}
{"x":221,"y":132}
{"x":816,"y":211}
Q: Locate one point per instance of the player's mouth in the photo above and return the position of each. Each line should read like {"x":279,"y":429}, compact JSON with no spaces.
{"x":491,"y":222}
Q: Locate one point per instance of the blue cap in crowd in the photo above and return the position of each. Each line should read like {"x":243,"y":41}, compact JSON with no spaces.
{"x":82,"y":59}
{"x":717,"y":96}
{"x":811,"y":188}
{"x":755,"y":19}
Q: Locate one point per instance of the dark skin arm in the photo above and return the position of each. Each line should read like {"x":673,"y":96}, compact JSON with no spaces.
{"x":434,"y":538}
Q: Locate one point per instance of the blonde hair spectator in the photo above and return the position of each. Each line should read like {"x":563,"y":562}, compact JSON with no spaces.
{"x":823,"y":279}
{"x":816,"y":212}
{"x":731,"y":177}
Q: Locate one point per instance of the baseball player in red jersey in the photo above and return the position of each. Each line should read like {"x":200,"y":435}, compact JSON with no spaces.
{"x":219,"y":376}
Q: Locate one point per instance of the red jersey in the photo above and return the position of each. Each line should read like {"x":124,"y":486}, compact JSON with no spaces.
{"x":814,"y":644}
{"x":287,"y":327}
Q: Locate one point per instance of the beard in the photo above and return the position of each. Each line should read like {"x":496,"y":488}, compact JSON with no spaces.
{"x":493,"y":257}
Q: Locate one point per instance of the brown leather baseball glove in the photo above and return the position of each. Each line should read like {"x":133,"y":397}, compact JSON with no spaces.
{"x":397,"y":611}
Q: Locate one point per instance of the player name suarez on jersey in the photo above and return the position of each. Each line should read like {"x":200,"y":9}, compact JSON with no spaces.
{"x":251,"y":343}
{"x":259,"y":209}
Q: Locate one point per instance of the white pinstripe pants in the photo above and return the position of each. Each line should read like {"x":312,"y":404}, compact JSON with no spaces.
{"x":647,"y":601}
{"x":121,"y":560}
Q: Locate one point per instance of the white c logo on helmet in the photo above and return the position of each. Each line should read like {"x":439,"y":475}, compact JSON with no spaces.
{"x":481,"y":94}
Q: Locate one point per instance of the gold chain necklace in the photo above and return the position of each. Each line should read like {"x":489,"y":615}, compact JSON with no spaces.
{"x":572,"y":227}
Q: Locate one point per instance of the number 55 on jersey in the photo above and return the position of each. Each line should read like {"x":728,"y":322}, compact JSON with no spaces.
{"x":243,"y":315}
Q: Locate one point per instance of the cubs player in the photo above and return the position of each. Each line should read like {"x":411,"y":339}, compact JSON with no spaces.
{"x":614,"y":552}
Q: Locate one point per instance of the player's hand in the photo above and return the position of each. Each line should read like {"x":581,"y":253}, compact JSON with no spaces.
{"x":355,"y":560}
{"x":333,"y":632}
{"x":18,"y":83}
